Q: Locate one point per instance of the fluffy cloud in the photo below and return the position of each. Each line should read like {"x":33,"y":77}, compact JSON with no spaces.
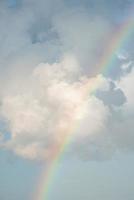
{"x":57,"y":100}
{"x":57,"y":103}
{"x":117,"y":132}
{"x":126,"y":84}
{"x":42,"y":106}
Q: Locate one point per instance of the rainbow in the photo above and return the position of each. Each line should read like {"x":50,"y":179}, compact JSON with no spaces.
{"x":119,"y":39}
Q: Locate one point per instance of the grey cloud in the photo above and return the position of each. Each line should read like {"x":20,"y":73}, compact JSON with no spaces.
{"x":117,"y":135}
{"x":113,"y":96}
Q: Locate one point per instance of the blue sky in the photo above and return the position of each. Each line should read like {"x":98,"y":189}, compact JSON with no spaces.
{"x":49,"y":50}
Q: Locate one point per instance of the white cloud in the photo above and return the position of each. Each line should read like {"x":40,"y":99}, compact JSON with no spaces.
{"x":122,"y":56}
{"x":125,"y":66}
{"x":126,"y":85}
{"x":116,"y":132}
{"x":42,"y":105}
{"x":56,"y":100}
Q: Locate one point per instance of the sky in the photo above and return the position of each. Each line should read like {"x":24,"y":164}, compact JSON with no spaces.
{"x":63,"y":100}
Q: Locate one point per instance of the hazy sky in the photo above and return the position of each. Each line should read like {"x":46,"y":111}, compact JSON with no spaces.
{"x":52,"y":86}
